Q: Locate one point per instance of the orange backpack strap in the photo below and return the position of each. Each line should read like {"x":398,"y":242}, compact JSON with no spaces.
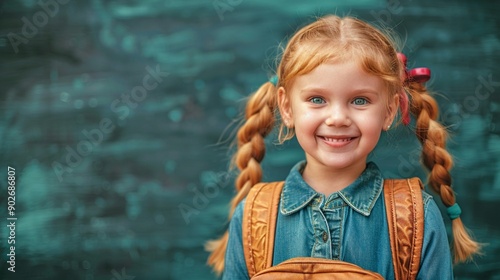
{"x":259,"y":225}
{"x":405,"y":218}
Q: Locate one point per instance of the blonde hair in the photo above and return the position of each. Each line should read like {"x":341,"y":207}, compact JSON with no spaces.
{"x":333,"y":39}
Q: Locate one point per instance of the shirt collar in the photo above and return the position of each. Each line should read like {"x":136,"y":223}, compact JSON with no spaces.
{"x":360,"y":195}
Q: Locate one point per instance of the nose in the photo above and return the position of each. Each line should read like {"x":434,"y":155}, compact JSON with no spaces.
{"x":338,"y":116}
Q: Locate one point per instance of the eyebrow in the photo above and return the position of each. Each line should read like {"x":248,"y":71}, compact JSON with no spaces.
{"x":325,"y":90}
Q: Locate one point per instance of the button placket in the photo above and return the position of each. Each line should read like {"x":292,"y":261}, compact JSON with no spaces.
{"x":322,"y":243}
{"x":335,"y":218}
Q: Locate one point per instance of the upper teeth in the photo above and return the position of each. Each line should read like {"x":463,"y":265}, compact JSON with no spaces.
{"x":337,"y":139}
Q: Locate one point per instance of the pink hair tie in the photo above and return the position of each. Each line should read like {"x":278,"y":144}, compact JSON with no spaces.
{"x":417,"y":75}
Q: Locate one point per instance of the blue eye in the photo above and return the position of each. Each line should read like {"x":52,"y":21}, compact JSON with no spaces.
{"x":359,"y":101}
{"x":317,"y":100}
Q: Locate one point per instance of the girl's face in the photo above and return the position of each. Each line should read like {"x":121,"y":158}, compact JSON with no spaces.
{"x":338,"y":112}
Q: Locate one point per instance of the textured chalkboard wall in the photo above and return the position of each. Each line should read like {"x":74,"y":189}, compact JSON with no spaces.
{"x":117,"y":118}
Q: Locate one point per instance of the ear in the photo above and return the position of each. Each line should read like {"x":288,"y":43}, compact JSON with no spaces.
{"x":285,"y":107}
{"x":392,"y":109}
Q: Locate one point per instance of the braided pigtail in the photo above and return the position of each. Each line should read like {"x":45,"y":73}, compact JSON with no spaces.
{"x":432,"y":135}
{"x":259,"y":116}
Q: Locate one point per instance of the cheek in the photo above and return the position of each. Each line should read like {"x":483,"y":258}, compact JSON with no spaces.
{"x":371,"y":126}
{"x":376,"y":117}
{"x":307,"y":120}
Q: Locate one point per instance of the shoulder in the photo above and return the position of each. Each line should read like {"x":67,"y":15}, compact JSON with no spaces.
{"x":432,"y":213}
{"x":428,"y":200}
{"x":433,"y":219}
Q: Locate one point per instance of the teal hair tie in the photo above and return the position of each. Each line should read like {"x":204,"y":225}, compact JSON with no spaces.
{"x":274,"y":80}
{"x":454,"y":211}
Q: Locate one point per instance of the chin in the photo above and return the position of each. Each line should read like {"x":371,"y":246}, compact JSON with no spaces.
{"x":341,"y":163}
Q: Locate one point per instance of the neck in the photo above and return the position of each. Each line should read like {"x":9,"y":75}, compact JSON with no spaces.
{"x":327,"y":180}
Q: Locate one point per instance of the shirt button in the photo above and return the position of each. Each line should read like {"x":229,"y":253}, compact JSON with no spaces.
{"x":325,"y":236}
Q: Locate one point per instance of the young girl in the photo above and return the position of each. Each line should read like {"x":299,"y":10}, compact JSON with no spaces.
{"x":339,"y":84}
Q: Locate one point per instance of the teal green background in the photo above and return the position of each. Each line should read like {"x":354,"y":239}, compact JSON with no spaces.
{"x":107,"y":189}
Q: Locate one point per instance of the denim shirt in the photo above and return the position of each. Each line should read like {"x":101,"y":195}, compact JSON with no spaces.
{"x":348,"y":225}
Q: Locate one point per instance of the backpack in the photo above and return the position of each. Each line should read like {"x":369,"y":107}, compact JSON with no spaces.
{"x":405,"y":217}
